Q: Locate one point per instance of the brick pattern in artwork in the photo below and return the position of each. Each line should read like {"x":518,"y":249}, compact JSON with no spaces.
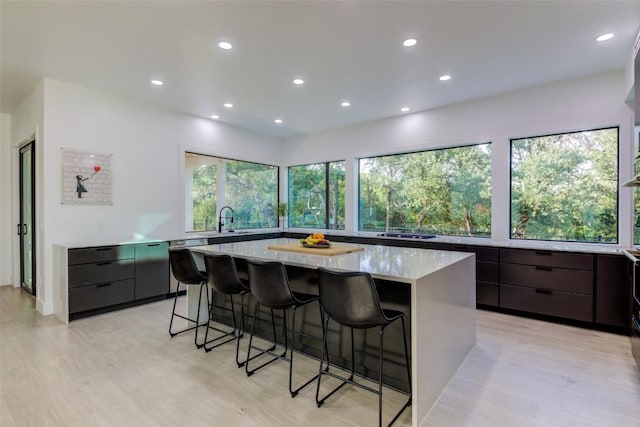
{"x":86,"y":178}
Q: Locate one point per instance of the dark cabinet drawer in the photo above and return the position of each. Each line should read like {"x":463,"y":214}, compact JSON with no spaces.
{"x":487,"y":272}
{"x":152,"y":269}
{"x":547,"y":258}
{"x":558,"y":279}
{"x":100,"y":272}
{"x":488,"y":294}
{"x":550,"y":303}
{"x":100,"y":295}
{"x":99,"y":254}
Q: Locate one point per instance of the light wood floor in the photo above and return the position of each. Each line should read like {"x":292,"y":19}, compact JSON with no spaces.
{"x":122,"y":369}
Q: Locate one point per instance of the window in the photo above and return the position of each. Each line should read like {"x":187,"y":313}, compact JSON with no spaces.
{"x":446,"y":192}
{"x":250,"y":189}
{"x":565,"y":187}
{"x":316,"y":196}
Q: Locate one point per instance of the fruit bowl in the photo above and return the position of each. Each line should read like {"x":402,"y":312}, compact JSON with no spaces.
{"x":315,"y":240}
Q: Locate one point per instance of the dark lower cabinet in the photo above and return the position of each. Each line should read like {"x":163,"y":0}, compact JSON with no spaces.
{"x":90,"y":297}
{"x":547,"y":302}
{"x":487,"y":294}
{"x":107,"y":276}
{"x":613,"y":290}
{"x":151,"y":270}
{"x":558,"y":284}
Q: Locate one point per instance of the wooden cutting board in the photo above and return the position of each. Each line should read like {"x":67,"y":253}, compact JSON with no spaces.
{"x":333,"y":250}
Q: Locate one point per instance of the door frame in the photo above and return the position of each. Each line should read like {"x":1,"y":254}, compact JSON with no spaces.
{"x":30,"y":142}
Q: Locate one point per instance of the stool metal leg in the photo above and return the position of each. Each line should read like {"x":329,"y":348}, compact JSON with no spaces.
{"x":262,"y":351}
{"x":227,"y":336}
{"x":294,"y":393}
{"x":173,"y":312}
{"x":241,"y":332}
{"x":406,"y":355}
{"x":350,"y":379}
{"x":173,"y":315}
{"x":380,"y":354}
{"x":195,"y":339}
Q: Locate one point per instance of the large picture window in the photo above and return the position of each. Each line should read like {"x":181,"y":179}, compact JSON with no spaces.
{"x":565,"y":187}
{"x":445,"y":192}
{"x":316,"y":196}
{"x":250,"y":189}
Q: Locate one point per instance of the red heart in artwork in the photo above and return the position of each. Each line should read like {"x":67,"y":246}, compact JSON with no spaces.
{"x":97,"y":168}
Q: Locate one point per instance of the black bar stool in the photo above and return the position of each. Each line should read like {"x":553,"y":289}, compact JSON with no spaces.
{"x":351,"y":299}
{"x":223,"y":277}
{"x":269,"y":285}
{"x":186,"y":272}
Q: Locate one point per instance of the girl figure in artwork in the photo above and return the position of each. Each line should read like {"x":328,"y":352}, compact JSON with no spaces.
{"x":80,"y":186}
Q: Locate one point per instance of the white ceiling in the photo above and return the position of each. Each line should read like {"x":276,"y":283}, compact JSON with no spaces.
{"x":344,"y":50}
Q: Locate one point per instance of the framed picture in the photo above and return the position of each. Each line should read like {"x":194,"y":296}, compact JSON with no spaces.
{"x":86,"y":178}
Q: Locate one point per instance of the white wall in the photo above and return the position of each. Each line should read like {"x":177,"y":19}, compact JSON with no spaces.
{"x":588,"y":102}
{"x":147,"y":143}
{"x":6,"y":253}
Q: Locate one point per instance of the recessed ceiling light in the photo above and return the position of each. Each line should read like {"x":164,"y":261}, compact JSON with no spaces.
{"x":225,"y":45}
{"x":157,"y":82}
{"x":409,"y":42}
{"x":228,"y":105}
{"x":404,"y":109}
{"x":605,"y":37}
{"x":278,"y":121}
{"x":213,"y":116}
{"x":345,"y":104}
{"x":445,"y":77}
{"x":298,"y":81}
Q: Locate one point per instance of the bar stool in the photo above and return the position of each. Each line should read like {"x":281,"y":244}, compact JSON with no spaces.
{"x":351,"y":299}
{"x":223,"y":277}
{"x":269,"y":285}
{"x":186,"y":272}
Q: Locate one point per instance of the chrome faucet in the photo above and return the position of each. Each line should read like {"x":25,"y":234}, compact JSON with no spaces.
{"x":221,"y":218}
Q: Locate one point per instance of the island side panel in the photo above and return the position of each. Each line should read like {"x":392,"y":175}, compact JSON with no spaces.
{"x":443,"y":316}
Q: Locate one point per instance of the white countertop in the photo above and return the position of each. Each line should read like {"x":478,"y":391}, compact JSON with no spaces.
{"x":602,"y":248}
{"x":98,"y":243}
{"x":383,"y":262}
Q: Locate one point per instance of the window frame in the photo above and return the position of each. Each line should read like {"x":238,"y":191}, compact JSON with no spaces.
{"x":327,"y":170}
{"x":224,"y":158}
{"x":617,"y":204}
{"x":402,"y":153}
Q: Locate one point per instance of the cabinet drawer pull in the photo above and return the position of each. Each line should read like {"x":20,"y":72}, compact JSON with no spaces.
{"x":541,"y":268}
{"x":543,"y":291}
{"x":103,"y":263}
{"x":102,"y":285}
{"x":153,"y":244}
{"x":104,"y":249}
{"x":544,"y":253}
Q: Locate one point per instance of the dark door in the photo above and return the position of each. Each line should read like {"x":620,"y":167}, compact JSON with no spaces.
{"x":26,"y":229}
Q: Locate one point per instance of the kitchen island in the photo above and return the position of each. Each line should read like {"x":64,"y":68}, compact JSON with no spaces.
{"x":439,"y":295}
